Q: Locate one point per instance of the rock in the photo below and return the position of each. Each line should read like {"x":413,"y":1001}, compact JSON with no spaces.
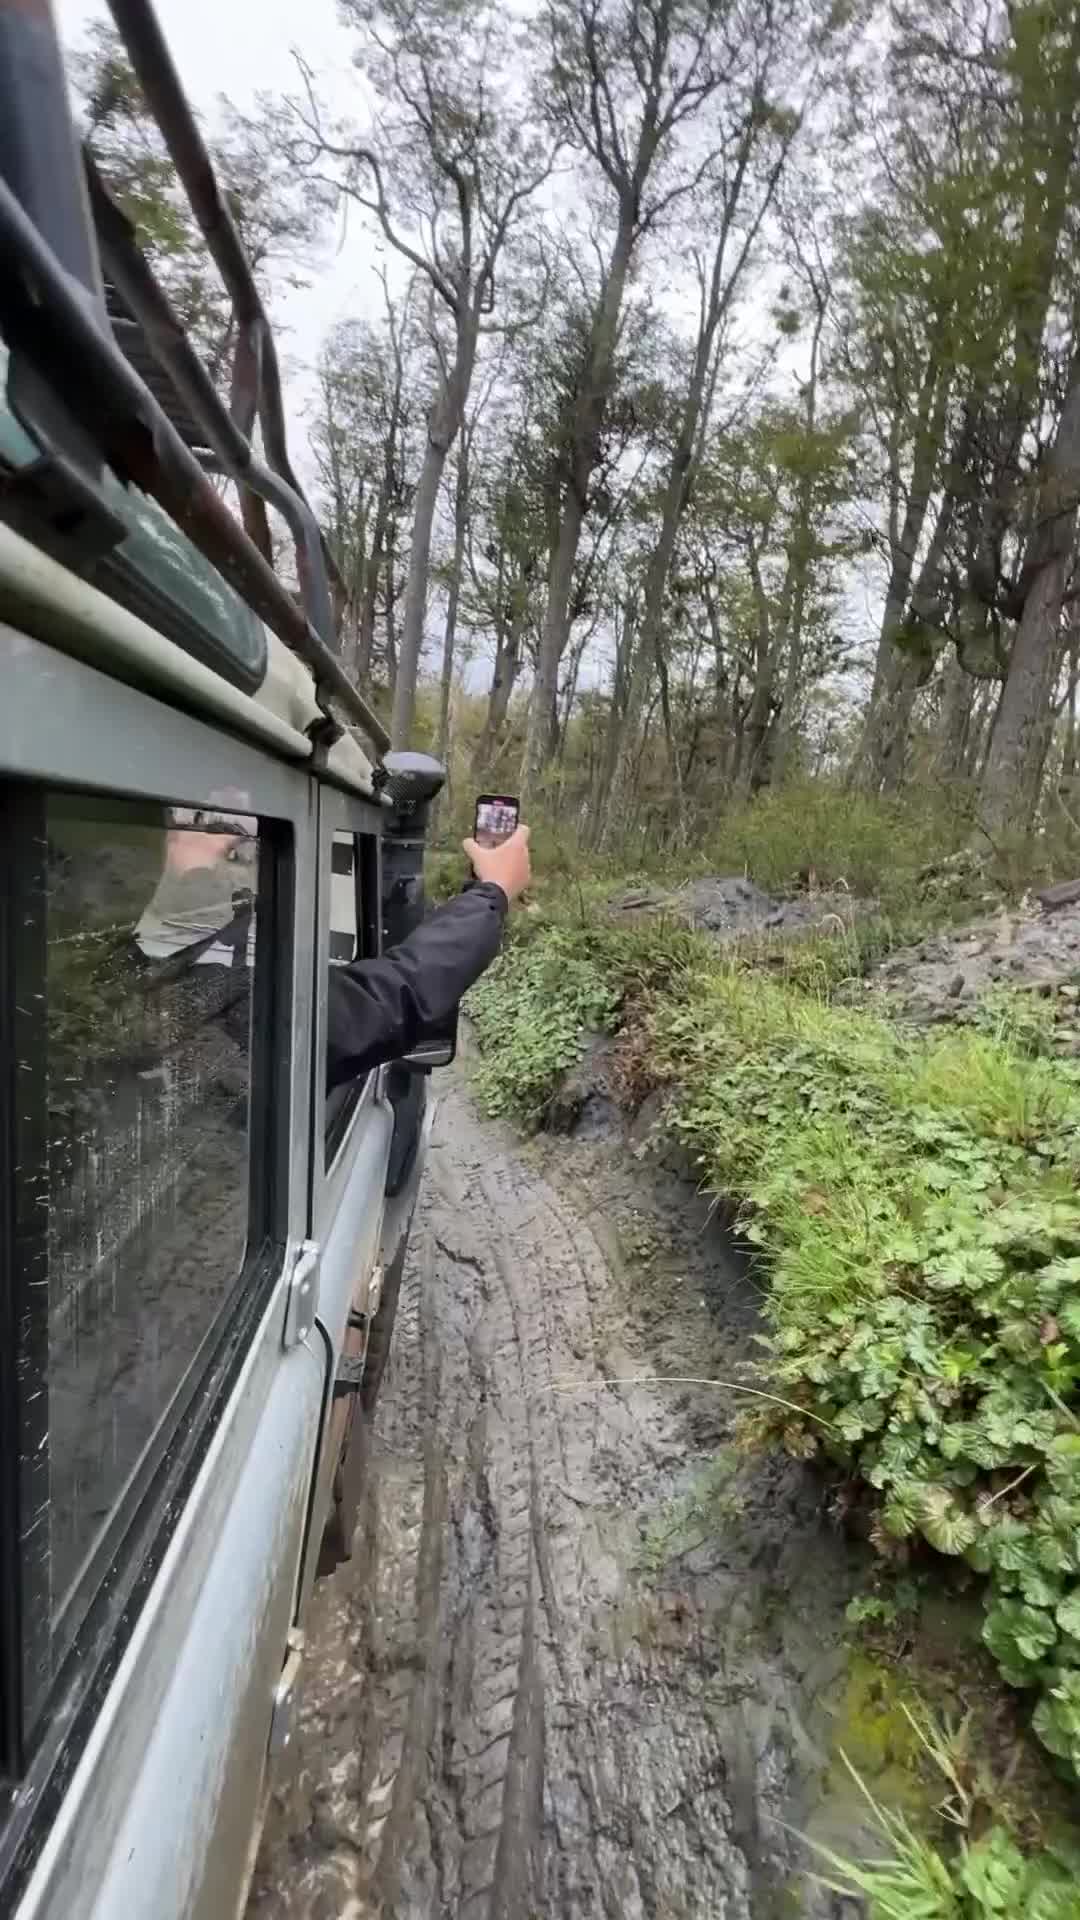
{"x":731,"y":907}
{"x":584,"y":1103}
{"x":956,"y":986}
{"x":1065,"y":894}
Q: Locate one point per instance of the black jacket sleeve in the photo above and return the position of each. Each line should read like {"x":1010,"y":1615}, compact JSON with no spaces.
{"x":379,"y":1009}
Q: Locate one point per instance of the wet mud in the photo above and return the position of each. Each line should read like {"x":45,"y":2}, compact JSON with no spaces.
{"x":585,"y":1662}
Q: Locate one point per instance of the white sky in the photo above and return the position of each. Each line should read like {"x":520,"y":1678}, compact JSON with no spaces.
{"x":240,"y":48}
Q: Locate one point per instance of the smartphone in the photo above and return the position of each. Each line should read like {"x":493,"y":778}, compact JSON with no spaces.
{"x":496,"y":818}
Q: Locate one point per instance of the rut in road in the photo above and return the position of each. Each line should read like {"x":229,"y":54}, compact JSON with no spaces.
{"x":507,"y":1716}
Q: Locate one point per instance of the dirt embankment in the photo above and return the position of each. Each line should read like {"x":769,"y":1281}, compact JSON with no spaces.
{"x":942,"y":978}
{"x":584,"y":1663}
{"x":731,"y":907}
{"x":946,"y":976}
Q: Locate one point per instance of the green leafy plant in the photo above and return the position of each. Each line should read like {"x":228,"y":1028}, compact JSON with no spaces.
{"x":991,"y":1879}
{"x":987,"y":1878}
{"x":532,"y":1012}
{"x":914,"y":1200}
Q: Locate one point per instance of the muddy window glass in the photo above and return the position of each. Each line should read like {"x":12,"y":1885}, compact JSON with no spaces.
{"x":145,"y":924}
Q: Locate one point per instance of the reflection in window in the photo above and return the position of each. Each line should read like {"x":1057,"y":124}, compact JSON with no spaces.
{"x":344,"y":945}
{"x":150,"y":931}
{"x":343,"y":940}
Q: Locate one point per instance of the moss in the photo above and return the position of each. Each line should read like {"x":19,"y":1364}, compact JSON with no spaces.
{"x":869,"y":1726}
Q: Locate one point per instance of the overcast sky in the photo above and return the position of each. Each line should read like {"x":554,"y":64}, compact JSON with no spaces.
{"x":240,"y":48}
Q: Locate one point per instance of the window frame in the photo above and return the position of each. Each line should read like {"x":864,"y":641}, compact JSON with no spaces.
{"x":340,"y":812}
{"x":67,"y":726}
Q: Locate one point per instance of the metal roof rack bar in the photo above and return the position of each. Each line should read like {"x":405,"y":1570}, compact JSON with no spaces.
{"x":52,"y":326}
{"x":257,"y":377}
{"x":131,"y":275}
{"x":51,"y":297}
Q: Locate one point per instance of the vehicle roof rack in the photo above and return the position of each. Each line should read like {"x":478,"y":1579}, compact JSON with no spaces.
{"x":102,"y":369}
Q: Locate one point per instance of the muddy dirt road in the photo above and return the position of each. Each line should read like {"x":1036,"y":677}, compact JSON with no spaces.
{"x":580,"y":1664}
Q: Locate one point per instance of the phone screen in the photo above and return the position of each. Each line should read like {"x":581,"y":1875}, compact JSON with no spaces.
{"x":496,"y":819}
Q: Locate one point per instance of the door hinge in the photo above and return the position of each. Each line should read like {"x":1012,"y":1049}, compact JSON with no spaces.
{"x":303,"y":1294}
{"x":283,"y":1715}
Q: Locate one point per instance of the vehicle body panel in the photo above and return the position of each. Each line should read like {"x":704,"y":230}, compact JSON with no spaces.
{"x":132,"y":1782}
{"x":158,"y":1817}
{"x":158,"y":555}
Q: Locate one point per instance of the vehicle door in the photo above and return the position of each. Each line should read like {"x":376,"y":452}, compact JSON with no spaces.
{"x":352,"y":1133}
{"x":162,"y":1383}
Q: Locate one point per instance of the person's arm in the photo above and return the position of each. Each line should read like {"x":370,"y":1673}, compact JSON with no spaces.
{"x":379,"y":1009}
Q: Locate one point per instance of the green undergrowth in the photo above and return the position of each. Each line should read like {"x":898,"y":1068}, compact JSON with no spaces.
{"x":983,"y":1875}
{"x":914,"y":1200}
{"x":875,"y":847}
{"x":555,"y":982}
{"x":967,"y":1864}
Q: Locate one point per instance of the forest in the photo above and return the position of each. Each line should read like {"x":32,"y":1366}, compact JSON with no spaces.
{"x":716,"y":414}
{"x":705,"y":466}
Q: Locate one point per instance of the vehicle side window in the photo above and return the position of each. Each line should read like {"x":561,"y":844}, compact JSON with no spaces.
{"x":133,"y":991}
{"x":344,"y":900}
{"x":354,"y":935}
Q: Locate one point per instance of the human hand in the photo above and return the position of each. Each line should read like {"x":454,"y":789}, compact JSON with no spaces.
{"x":507,"y":865}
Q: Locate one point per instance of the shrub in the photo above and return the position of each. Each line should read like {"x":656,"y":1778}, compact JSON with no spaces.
{"x":874,"y":846}
{"x":531,"y":1012}
{"x":987,"y":1878}
{"x":551,"y":986}
{"x":915,"y":1197}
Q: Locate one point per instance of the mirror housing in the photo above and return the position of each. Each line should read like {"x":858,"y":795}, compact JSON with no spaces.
{"x":409,"y":783}
{"x":431,"y":1053}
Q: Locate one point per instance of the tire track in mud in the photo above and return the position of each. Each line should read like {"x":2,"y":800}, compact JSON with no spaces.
{"x":504,"y":1719}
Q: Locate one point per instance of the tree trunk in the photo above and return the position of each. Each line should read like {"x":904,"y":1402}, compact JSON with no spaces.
{"x":391,"y":622}
{"x":753,"y":760}
{"x":570,"y":691}
{"x":443,"y":427}
{"x":416,"y":584}
{"x":372,"y":567}
{"x":671,"y":749}
{"x":505,"y":672}
{"x":1069,"y":749}
{"x":595,"y":391}
{"x":957,"y":703}
{"x":461,"y":522}
{"x":878,"y":735}
{"x":911,"y":665}
{"x":754,"y":769}
{"x":1010,"y":781}
{"x":553,"y":638}
{"x":800,"y":555}
{"x":614,"y":732}
{"x":638,"y":669}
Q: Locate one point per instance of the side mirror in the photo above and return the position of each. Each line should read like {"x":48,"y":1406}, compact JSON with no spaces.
{"x":410,"y":782}
{"x":431,"y":1053}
